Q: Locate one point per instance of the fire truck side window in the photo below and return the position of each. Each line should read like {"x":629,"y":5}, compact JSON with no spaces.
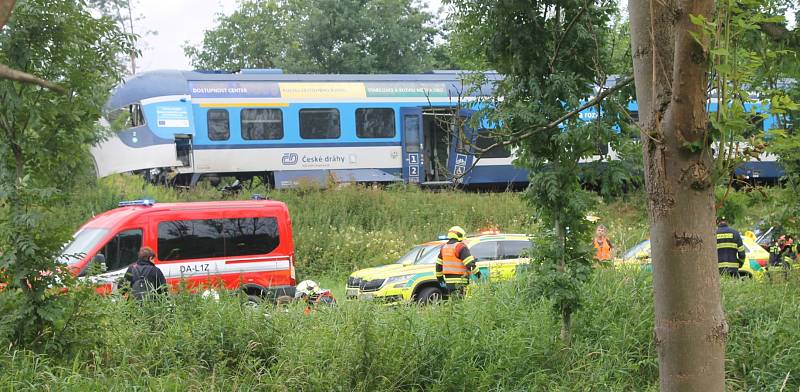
{"x":190,"y":239}
{"x":121,"y":251}
{"x":250,"y":236}
{"x":207,"y":238}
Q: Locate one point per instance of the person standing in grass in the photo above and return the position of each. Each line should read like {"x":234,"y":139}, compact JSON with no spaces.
{"x":730,"y":249}
{"x":144,"y":277}
{"x":455,"y":264}
{"x":602,"y":244}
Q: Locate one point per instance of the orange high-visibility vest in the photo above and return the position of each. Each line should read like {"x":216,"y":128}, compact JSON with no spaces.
{"x":451,"y":263}
{"x":603,"y":249}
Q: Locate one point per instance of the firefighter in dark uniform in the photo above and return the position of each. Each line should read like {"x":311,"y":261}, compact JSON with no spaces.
{"x":730,"y":249}
{"x":455,"y":264}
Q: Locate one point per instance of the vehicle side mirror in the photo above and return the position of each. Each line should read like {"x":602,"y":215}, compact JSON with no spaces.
{"x":99,"y":262}
{"x":407,"y":263}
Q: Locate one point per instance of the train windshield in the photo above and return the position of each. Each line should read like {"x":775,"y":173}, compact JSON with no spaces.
{"x":83,"y":241}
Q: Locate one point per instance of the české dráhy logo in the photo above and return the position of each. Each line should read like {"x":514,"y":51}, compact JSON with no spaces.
{"x":290,"y":158}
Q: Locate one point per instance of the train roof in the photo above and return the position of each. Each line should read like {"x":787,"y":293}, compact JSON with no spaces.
{"x":175,"y":82}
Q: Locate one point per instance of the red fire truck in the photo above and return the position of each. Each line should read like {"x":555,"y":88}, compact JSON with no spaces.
{"x":238,"y":245}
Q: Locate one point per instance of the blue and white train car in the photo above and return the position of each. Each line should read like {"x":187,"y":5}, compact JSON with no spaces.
{"x":285,"y":128}
{"x":290,"y":128}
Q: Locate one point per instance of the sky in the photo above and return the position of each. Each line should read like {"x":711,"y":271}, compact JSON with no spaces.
{"x":178,"y":21}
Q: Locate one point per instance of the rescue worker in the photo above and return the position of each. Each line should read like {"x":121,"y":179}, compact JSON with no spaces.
{"x":602,"y":244}
{"x":781,"y":253}
{"x":143,"y":277}
{"x":730,"y":249}
{"x":313,"y":295}
{"x":455,"y":264}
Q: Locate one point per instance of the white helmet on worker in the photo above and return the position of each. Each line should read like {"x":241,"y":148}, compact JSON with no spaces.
{"x":306,"y":287}
{"x":456,"y":233}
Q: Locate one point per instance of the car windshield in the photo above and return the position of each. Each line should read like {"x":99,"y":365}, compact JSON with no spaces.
{"x":411,"y":256}
{"x":429,"y":255}
{"x":83,"y":241}
{"x":632,"y":252}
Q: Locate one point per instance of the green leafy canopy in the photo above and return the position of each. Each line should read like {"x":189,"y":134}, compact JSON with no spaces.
{"x":326,"y":36}
{"x":44,"y":141}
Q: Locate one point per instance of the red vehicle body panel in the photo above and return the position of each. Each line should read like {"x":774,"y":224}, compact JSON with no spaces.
{"x":270,"y":272}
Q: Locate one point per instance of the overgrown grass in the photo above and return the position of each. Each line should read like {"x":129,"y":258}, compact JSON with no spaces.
{"x":500,"y":338}
{"x":497,"y":339}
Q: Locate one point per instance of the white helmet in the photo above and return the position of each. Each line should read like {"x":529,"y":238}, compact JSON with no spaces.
{"x":306,"y":287}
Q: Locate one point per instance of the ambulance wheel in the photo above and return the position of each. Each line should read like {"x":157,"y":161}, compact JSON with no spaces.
{"x":430,"y":295}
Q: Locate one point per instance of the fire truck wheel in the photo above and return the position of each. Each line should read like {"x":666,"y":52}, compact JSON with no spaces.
{"x":254,"y":300}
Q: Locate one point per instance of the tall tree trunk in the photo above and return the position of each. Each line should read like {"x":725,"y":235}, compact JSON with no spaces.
{"x":670,"y":71}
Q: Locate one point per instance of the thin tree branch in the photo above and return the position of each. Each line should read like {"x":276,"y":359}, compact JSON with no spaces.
{"x":19,"y":76}
{"x":515,"y":137}
{"x":564,"y":36}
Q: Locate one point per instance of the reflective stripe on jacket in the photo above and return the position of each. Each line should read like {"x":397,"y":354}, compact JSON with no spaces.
{"x":451,"y":262}
{"x":730,"y":248}
{"x":455,"y":263}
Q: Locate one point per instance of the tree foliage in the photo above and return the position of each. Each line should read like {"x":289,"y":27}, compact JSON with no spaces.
{"x":44,"y":139}
{"x":554,"y":57}
{"x":327,"y":36}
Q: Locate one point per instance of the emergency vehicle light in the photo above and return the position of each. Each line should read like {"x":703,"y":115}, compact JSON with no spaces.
{"x":141,"y":202}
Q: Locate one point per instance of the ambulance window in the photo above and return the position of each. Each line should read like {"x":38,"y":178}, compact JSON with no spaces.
{"x":122,"y":250}
{"x":190,"y":239}
{"x":515,"y":249}
{"x":250,"y":236}
{"x":484,"y":251}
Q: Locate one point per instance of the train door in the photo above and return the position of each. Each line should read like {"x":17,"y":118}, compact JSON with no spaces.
{"x":461,"y":159}
{"x":411,"y":124}
{"x":438,"y":134}
{"x":183,"y":150}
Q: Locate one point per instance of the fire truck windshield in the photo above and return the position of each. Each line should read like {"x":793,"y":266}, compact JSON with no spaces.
{"x":83,"y":241}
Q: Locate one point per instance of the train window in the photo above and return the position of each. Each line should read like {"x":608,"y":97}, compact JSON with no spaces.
{"x":126,"y":117}
{"x":219,"y":124}
{"x":137,"y":116}
{"x":319,"y":124}
{"x":262,"y":124}
{"x":484,"y":141}
{"x":634,"y":116}
{"x":375,"y":123}
{"x":411,"y":131}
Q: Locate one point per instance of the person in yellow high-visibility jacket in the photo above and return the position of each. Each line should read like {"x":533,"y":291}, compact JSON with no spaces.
{"x":455,"y":264}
